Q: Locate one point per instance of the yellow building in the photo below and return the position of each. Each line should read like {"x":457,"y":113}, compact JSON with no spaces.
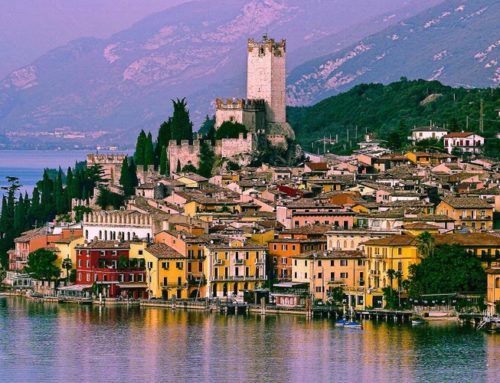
{"x":473,"y":213}
{"x":396,"y":252}
{"x":327,"y":270}
{"x":166,"y":272}
{"x":493,"y":290}
{"x":234,"y":269}
{"x":65,"y":248}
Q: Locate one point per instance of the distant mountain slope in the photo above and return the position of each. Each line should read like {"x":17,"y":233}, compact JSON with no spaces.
{"x":381,"y":109}
{"x":109,"y":89}
{"x":456,"y":42}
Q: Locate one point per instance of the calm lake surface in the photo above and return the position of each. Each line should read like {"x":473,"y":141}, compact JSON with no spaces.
{"x":42,"y":342}
{"x":28,"y":165}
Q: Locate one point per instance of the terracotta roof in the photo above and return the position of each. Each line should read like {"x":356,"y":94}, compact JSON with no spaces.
{"x":459,"y":135}
{"x":467,"y":239}
{"x":317,"y":166}
{"x":393,"y":240}
{"x":162,"y":251}
{"x":467,"y":203}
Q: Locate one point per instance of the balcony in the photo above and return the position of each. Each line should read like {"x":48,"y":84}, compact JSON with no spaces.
{"x":374,"y":272}
{"x":239,"y":261}
{"x":239,"y":278}
{"x":218,"y":262}
{"x":167,"y":286}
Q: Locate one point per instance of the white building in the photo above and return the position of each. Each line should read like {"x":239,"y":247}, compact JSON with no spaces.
{"x":465,"y":141}
{"x":118,"y":224}
{"x":428,"y":133}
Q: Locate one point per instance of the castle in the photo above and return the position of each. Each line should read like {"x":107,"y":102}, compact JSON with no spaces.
{"x":263,"y":112}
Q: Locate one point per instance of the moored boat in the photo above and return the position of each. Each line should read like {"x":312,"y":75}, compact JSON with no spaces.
{"x":357,"y":325}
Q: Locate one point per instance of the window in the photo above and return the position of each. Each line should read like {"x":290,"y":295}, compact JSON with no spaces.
{"x":400,"y":251}
{"x":332,"y":263}
{"x":88,"y":263}
{"x":179,"y":265}
{"x":79,"y":276}
{"x":332,"y":276}
{"x":320,"y":275}
{"x":295,"y":275}
{"x":293,"y":247}
{"x":79,"y":263}
{"x":305,"y":275}
{"x":150,"y":265}
{"x":295,"y":262}
{"x":319,"y":263}
{"x":274,"y":247}
{"x":283,"y":261}
{"x":305,"y":263}
{"x":344,"y":275}
{"x":343,"y":262}
{"x":88,"y":277}
{"x":165,"y":265}
{"x":360,"y":262}
{"x":140,"y":252}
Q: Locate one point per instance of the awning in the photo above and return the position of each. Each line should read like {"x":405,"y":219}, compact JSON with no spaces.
{"x":75,"y":288}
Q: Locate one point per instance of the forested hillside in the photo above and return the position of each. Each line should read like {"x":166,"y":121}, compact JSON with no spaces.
{"x":397,"y":107}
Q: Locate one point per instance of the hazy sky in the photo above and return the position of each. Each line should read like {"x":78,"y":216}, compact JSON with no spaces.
{"x":29,"y":28}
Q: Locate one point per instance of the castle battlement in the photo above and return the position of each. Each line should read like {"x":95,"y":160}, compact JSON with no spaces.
{"x":278,"y":49}
{"x":240,"y":103}
{"x":93,"y":158}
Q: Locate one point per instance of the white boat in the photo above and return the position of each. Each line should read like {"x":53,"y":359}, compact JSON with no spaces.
{"x":353,"y":325}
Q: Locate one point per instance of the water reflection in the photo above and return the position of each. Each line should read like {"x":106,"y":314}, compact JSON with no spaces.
{"x":60,"y":343}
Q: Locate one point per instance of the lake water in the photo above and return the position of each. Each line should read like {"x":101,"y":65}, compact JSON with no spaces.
{"x":42,"y":342}
{"x":28,"y":165}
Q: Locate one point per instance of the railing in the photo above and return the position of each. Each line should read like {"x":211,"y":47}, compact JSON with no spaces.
{"x":238,"y":278}
{"x":239,"y":261}
{"x":374,"y":272}
{"x":173,"y":285}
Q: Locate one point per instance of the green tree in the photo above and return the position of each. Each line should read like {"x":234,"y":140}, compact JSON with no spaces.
{"x":140,"y":148}
{"x":448,"y":269}
{"x":164,"y":165}
{"x":207,"y":129}
{"x":125,"y":180}
{"x":67,"y":265}
{"x":148,"y":152}
{"x":107,"y":199}
{"x":207,"y":159}
{"x":425,"y":244}
{"x":134,"y":181}
{"x":229,"y":129}
{"x":189,"y":168}
{"x":180,"y":124}
{"x":41,"y":265}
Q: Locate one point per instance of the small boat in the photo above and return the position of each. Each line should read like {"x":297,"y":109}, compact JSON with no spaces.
{"x":353,"y":325}
{"x":417,"y":321}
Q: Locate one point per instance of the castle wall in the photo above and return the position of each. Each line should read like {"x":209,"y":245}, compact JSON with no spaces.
{"x":183,"y":153}
{"x":232,"y":147}
{"x":111,"y":165}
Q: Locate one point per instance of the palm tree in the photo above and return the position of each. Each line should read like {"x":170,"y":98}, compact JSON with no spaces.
{"x":391,"y":273}
{"x":425,"y":244}
{"x":399,"y":276}
{"x":67,"y":265}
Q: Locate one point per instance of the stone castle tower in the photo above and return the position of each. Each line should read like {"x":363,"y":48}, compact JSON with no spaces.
{"x":266,"y":62}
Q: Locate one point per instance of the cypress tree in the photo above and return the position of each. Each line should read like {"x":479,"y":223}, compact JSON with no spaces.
{"x":207,"y":159}
{"x":134,"y":181}
{"x":164,"y":170}
{"x":181,"y":126}
{"x":125,"y":180}
{"x":148,"y":151}
{"x":19,"y":216}
{"x":4,"y":220}
{"x":140,"y":148}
